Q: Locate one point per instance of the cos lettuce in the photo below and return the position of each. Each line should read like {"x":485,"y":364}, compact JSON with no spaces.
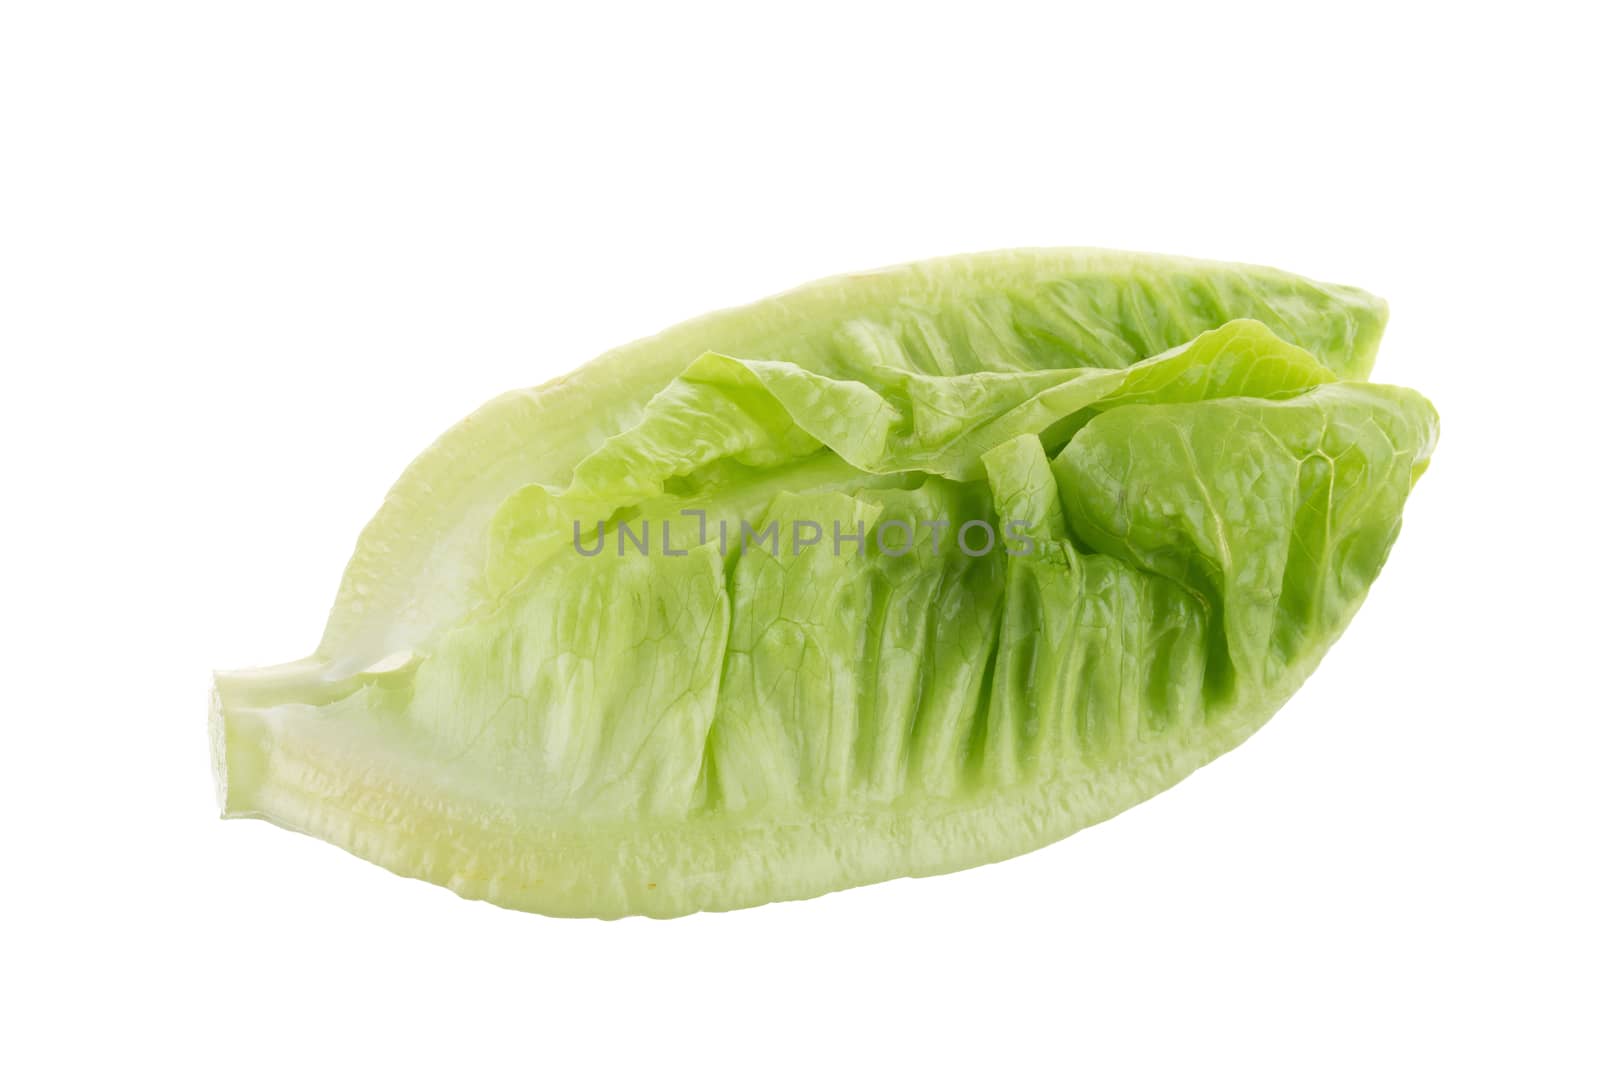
{"x":894,"y":574}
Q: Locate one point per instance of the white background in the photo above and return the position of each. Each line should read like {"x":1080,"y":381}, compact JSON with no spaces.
{"x":254,"y":257}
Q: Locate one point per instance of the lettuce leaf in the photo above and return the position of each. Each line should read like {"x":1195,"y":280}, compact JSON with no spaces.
{"x":892,"y":575}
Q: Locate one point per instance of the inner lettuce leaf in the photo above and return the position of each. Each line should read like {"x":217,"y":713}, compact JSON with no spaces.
{"x":893,"y":575}
{"x":724,"y":416}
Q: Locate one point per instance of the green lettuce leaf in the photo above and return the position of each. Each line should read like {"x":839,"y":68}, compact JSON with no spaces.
{"x":892,"y":575}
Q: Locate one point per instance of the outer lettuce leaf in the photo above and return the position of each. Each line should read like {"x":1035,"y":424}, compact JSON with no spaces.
{"x":611,"y":734}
